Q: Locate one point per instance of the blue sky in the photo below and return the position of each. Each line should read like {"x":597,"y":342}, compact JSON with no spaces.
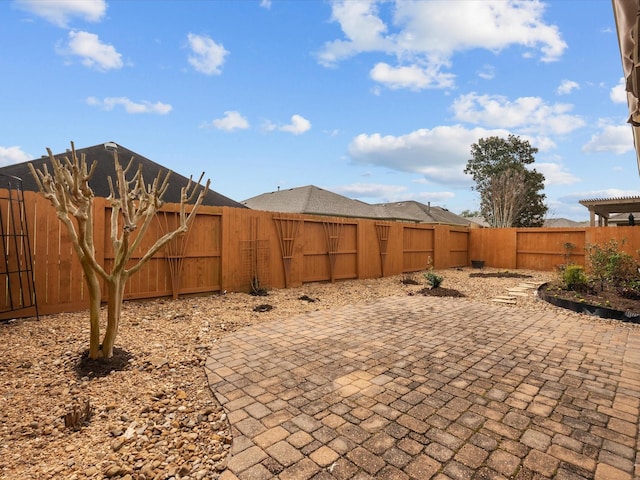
{"x":375,"y":100}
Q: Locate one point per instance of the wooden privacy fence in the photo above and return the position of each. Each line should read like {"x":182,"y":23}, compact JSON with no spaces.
{"x":545,"y":248}
{"x":232,"y":249}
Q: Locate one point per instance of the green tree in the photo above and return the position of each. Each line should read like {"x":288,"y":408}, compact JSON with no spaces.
{"x":470,"y":213}
{"x":510,"y":193}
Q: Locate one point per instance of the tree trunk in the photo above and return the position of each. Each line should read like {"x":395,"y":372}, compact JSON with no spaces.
{"x":93,"y":285}
{"x":114,"y":308}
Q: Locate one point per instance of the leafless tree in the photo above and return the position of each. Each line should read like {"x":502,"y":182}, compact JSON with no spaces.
{"x":507,"y":197}
{"x":133,"y":207}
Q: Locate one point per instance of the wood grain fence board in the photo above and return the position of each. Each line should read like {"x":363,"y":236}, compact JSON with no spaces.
{"x":418,"y":248}
{"x":212,"y":259}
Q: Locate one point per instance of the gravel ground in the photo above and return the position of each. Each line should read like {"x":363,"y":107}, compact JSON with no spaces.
{"x":157,"y":418}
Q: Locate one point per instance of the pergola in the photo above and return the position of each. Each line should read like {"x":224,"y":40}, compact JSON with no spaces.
{"x":604,"y":207}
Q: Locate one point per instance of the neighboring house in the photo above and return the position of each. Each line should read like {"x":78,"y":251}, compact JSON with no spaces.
{"x":317,"y":201}
{"x":312,"y":200}
{"x":419,"y":212}
{"x":563,"y":223}
{"x":622,"y":219}
{"x":548,"y":223}
{"x":478,"y":222}
{"x":102,"y":153}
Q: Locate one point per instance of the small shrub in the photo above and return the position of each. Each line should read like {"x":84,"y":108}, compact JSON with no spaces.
{"x":574,"y":277}
{"x":433,"y":279}
{"x":610,"y":265}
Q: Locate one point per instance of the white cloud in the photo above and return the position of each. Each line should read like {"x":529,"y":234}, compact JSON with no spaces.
{"x":426,"y":35}
{"x":575,"y":197}
{"x":555,"y":174}
{"x":363,"y":28}
{"x":567,"y":86}
{"x":207,"y":56}
{"x":109,"y":103}
{"x":11,"y":155}
{"x":529,"y":114}
{"x":440,"y":154}
{"x":298,"y":125}
{"x":369,"y":190}
{"x":487,"y":73}
{"x":265,"y":4}
{"x":612,"y":138}
{"x":60,"y":12}
{"x":618,"y":93}
{"x":94,"y":54}
{"x":433,"y":196}
{"x":232,"y":120}
{"x":413,"y":77}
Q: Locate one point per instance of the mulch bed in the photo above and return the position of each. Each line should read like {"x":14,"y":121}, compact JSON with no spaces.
{"x":499,"y":275}
{"x":439,"y":292}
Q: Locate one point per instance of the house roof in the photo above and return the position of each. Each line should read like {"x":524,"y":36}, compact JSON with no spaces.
{"x":105,"y":168}
{"x":563,"y":223}
{"x":419,"y":212}
{"x":314,"y":200}
{"x":623,"y":218}
{"x":310,"y":199}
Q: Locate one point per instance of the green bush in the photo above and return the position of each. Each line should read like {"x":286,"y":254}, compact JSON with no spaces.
{"x":574,"y":277}
{"x":608,"y":264}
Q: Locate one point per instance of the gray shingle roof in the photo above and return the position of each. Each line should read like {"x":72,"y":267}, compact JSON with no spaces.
{"x":105,"y":168}
{"x":423,"y":213}
{"x":314,"y":200}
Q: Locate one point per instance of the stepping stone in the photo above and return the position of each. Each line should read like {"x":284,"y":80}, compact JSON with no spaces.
{"x":505,"y":297}
{"x":518,"y":289}
{"x":503,"y":300}
{"x":518,"y":294}
{"x":528,"y":285}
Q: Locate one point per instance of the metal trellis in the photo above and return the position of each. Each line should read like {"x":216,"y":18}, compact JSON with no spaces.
{"x":16,"y":266}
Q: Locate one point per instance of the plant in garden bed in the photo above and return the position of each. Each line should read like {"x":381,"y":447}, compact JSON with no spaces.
{"x":435,"y":281}
{"x":610,"y":265}
{"x":610,"y":279}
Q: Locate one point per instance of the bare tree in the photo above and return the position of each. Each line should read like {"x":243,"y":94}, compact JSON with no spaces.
{"x":506,"y":197}
{"x":133,"y":207}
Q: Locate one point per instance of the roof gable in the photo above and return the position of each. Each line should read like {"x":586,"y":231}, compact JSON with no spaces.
{"x":105,"y":169}
{"x":310,"y":199}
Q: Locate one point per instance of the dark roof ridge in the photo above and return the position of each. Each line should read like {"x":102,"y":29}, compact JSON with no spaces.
{"x":105,"y":168}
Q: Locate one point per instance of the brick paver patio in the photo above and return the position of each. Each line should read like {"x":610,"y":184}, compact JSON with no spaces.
{"x":420,"y":387}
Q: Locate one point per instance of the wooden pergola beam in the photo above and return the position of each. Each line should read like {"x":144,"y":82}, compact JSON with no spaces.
{"x":604,"y":207}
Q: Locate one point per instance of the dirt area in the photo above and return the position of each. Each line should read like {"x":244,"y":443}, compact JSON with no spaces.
{"x":608,"y":297}
{"x":154,"y":416}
